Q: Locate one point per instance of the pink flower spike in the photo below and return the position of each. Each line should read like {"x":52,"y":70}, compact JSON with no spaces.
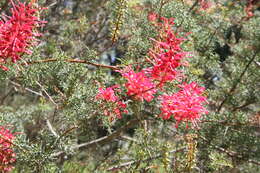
{"x":167,"y":54}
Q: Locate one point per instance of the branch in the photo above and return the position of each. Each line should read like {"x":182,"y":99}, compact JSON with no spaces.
{"x":5,"y":96}
{"x":138,"y":161}
{"x":27,"y":89}
{"x":230,"y":153}
{"x":161,"y":6}
{"x":243,"y":106}
{"x":127,"y":138}
{"x":51,"y":129}
{"x":224,"y":122}
{"x":257,"y":63}
{"x":50,"y":98}
{"x":193,"y":6}
{"x":235,"y":154}
{"x":236,"y":82}
{"x":70,"y":61}
{"x":102,"y":140}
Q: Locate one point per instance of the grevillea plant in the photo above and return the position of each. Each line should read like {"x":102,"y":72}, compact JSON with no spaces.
{"x":18,"y":31}
{"x":75,"y":117}
{"x":7,"y":155}
{"x":164,"y":60}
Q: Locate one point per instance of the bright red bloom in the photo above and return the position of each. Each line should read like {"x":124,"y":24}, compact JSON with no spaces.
{"x":167,"y":55}
{"x":250,"y":8}
{"x":17,"y":32}
{"x":185,"y":105}
{"x":7,"y":155}
{"x":113,"y":106}
{"x":139,"y":85}
{"x":152,"y":17}
{"x":107,"y":94}
{"x":205,"y":4}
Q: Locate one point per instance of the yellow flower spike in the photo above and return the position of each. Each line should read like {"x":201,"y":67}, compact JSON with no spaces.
{"x":121,"y":8}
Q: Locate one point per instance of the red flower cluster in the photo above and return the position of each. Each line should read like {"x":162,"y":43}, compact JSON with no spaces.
{"x":167,"y":54}
{"x":117,"y":107}
{"x":7,"y":155}
{"x":249,"y":9}
{"x":164,"y":59}
{"x":205,"y":4}
{"x":139,"y":85}
{"x":17,"y":32}
{"x":108,"y":94}
{"x":185,"y":105}
{"x":152,"y":17}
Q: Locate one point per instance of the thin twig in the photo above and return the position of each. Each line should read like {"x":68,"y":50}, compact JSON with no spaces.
{"x":230,"y":153}
{"x":161,"y":6}
{"x":236,"y":83}
{"x":235,"y":154}
{"x":225,"y":123}
{"x":71,"y":61}
{"x":193,"y":6}
{"x":51,"y":129}
{"x":62,"y":135}
{"x":5,"y":96}
{"x":257,"y":63}
{"x":138,"y":161}
{"x":50,"y":98}
{"x":102,"y":140}
{"x":128,"y":138}
{"x":243,"y":106}
{"x":27,"y":89}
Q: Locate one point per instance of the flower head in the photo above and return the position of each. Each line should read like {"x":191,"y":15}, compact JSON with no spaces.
{"x":7,"y":155}
{"x":167,"y":53}
{"x":205,"y":4}
{"x":139,"y":85}
{"x":112,"y":106}
{"x":107,"y":94}
{"x":185,"y":105}
{"x":17,"y":32}
{"x":152,"y":17}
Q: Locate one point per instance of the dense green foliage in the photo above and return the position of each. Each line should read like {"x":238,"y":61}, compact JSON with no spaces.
{"x":50,"y":101}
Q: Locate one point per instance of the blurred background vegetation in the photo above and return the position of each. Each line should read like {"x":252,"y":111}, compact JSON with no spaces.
{"x":50,"y":102}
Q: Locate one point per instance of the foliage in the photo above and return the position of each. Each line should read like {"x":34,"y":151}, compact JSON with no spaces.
{"x":71,"y":112}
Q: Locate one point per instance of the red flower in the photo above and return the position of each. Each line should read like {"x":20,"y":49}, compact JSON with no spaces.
{"x":107,"y":94}
{"x":112,"y":106}
{"x":7,"y":155}
{"x":249,"y":8}
{"x":185,"y":105}
{"x":167,"y":55}
{"x":204,"y":4}
{"x":152,"y":17}
{"x":17,"y":32}
{"x":139,"y":85}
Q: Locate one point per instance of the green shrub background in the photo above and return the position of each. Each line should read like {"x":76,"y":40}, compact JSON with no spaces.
{"x":51,"y":105}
